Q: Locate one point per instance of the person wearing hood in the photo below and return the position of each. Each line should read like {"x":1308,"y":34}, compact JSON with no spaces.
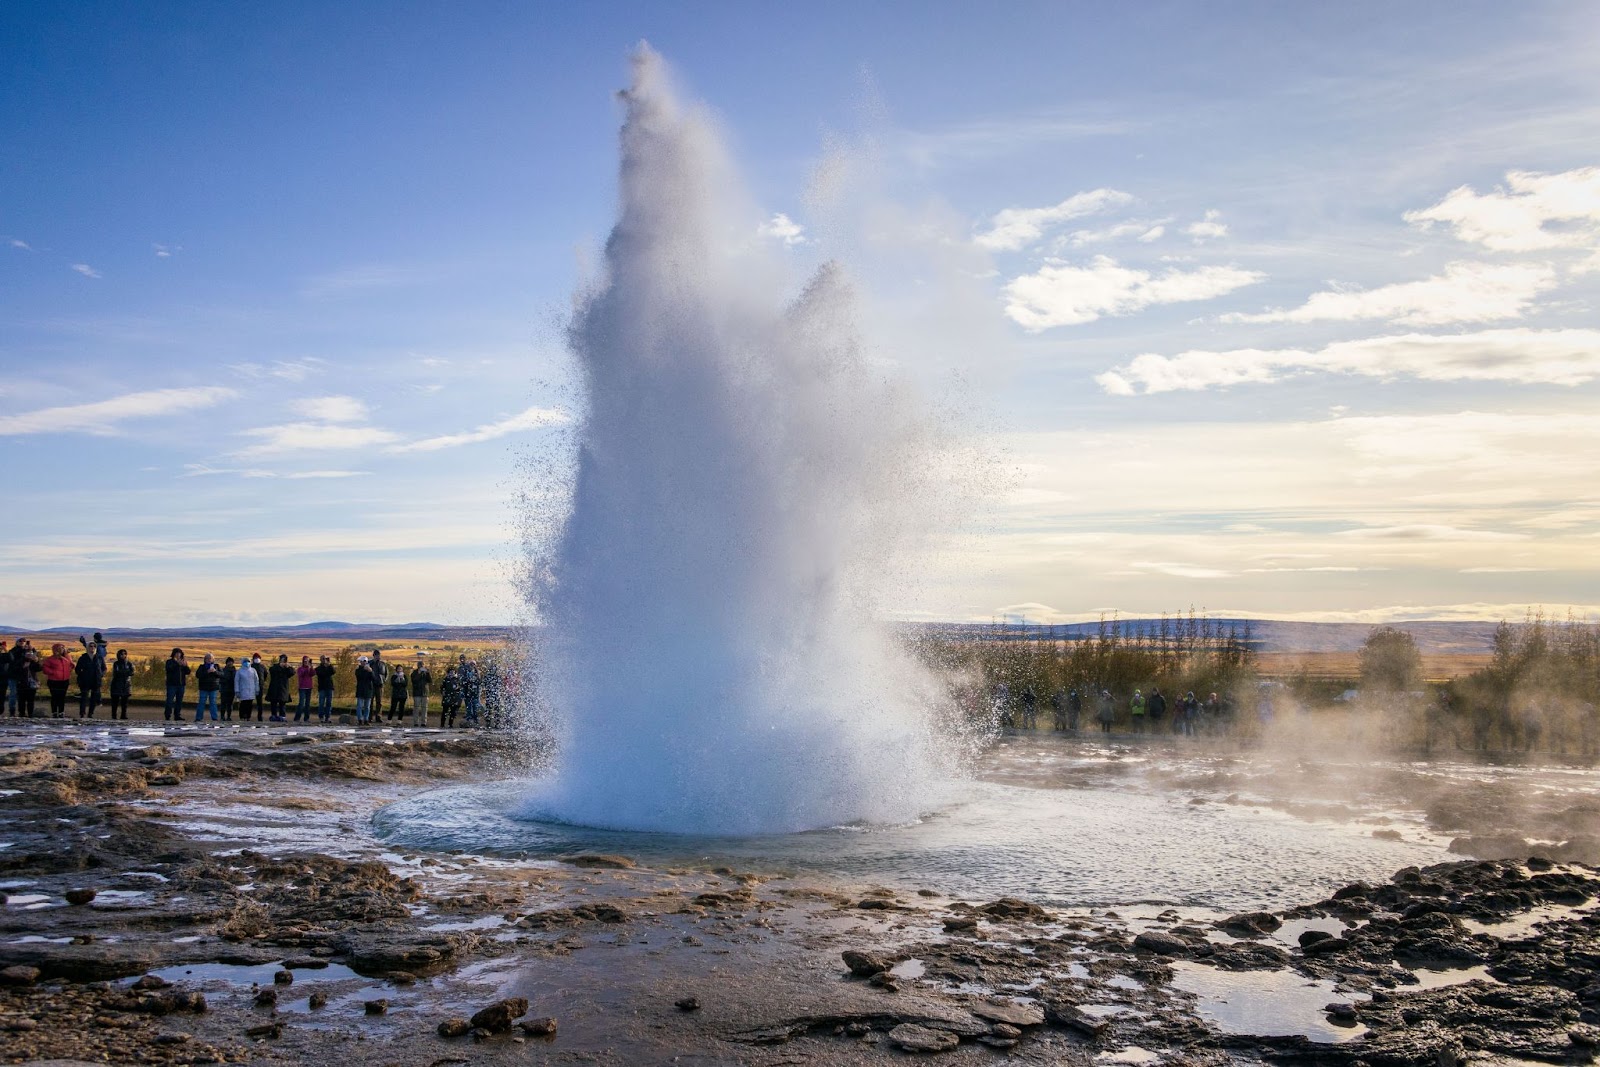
{"x":121,"y":683}
{"x":91,"y":673}
{"x":421,"y":678}
{"x":230,"y":691}
{"x":246,"y":689}
{"x":366,"y":682}
{"x":397,"y":694}
{"x":260,"y":670}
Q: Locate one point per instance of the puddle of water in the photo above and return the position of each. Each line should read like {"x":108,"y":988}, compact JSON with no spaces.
{"x":1104,"y":1011}
{"x":117,"y":899}
{"x":252,"y":974}
{"x":1122,"y":981}
{"x":1289,"y":933}
{"x":1427,"y":979}
{"x":39,"y":939}
{"x":912,"y":968}
{"x":487,"y":922}
{"x":1133,"y":1054}
{"x":1263,"y":1003}
{"x":1520,"y":926}
{"x":27,"y":900}
{"x":16,"y":883}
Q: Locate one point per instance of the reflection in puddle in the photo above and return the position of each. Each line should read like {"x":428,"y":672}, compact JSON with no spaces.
{"x":1429,"y":979}
{"x":251,"y":974}
{"x":1520,"y":926}
{"x":1263,"y":1003}
{"x":1133,"y":1054}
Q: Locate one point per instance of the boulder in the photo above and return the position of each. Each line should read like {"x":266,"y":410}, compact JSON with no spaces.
{"x":600,"y":861}
{"x":498,"y":1017}
{"x":454,"y":1027}
{"x":80,"y":896}
{"x":18,"y":975}
{"x":913,"y":1038}
{"x":1161,"y":943}
{"x":866,"y":964}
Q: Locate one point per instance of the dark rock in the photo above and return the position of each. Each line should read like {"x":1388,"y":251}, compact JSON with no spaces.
{"x":1061,"y":1013}
{"x":687,"y":1004}
{"x":150,"y":981}
{"x":498,"y":1017}
{"x":317,"y":1000}
{"x":377,"y":954}
{"x":1388,"y":835}
{"x":166,"y":779}
{"x":866,"y":964}
{"x":600,"y":861}
{"x":1250,"y":923}
{"x":1011,"y":908}
{"x":877,"y":904}
{"x":283,"y":978}
{"x":1353,"y":891}
{"x":80,"y":896}
{"x":1326,"y":946}
{"x":886,"y":981}
{"x":911,"y":1037}
{"x":1162,"y":943}
{"x":1311,"y":937}
{"x":305,"y":963}
{"x":544,"y":1026}
{"x":271,"y":1031}
{"x":376,"y":1007}
{"x":267,"y":998}
{"x":959,"y":924}
{"x":1341,"y":1010}
{"x":19,"y":974}
{"x":454,"y":1027}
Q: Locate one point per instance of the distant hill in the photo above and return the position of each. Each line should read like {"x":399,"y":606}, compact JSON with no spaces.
{"x":1266,"y":635}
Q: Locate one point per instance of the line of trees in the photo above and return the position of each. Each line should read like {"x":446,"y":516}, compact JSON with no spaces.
{"x":1539,"y":690}
{"x":1178,"y":653}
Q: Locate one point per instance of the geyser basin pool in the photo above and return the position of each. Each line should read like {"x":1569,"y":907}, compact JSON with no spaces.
{"x":1066,"y":823}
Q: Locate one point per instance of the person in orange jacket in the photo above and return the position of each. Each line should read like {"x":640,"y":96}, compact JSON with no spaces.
{"x":57,"y":676}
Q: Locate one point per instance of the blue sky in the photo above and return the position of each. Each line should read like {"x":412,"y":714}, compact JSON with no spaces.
{"x":1286,"y":310}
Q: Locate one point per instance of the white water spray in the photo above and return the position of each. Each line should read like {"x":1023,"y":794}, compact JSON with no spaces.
{"x":713,"y":655}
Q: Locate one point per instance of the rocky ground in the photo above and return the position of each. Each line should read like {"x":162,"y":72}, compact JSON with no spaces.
{"x":276,"y":928}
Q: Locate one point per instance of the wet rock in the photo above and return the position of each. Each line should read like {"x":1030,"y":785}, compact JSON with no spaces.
{"x":886,"y":981}
{"x":1162,"y":943}
{"x":1067,"y":1015}
{"x":866,"y":964}
{"x":454,"y":1027}
{"x":601,"y":861}
{"x":876,"y":904}
{"x":1388,"y":835}
{"x":1326,"y":946}
{"x":376,"y":1007}
{"x":545,"y":1026}
{"x":80,"y":896}
{"x":1353,"y":891}
{"x":1250,"y":924}
{"x":1341,"y":1010}
{"x":147,"y":752}
{"x":498,"y":1017}
{"x":267,"y":998}
{"x":303,"y":963}
{"x":283,"y":978}
{"x":1492,"y":846}
{"x":149,"y":982}
{"x":687,"y":1003}
{"x":1006,"y":1013}
{"x":960,"y":924}
{"x":1012,"y":909}
{"x":96,"y":962}
{"x":910,"y":1037}
{"x":317,"y":1000}
{"x":377,"y":954}
{"x":268,"y":1031}
{"x":166,"y":779}
{"x":19,"y":974}
{"x":1311,"y":937}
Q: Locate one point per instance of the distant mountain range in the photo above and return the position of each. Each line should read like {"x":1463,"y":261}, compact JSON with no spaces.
{"x":1265,"y":635}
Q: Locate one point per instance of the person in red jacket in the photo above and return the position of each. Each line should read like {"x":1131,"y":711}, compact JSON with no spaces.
{"x":57,"y":676}
{"x":305,"y":677}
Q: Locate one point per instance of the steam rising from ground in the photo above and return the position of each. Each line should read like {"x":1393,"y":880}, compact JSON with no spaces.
{"x":712,"y":659}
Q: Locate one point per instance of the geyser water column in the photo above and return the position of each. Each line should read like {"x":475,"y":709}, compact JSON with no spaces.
{"x":713,"y":654}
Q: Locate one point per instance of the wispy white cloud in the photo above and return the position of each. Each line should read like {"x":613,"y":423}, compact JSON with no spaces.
{"x":1423,"y":531}
{"x":312,"y":437}
{"x":164,"y":251}
{"x":1526,"y":356}
{"x":531,"y":419}
{"x":1058,"y":294}
{"x":202,"y":470}
{"x":17,"y":242}
{"x":102,"y":416}
{"x":1181,"y":570}
{"x":782,"y":228}
{"x":288,"y":370}
{"x":1530,"y":213}
{"x":1016,"y":228}
{"x":86,"y":270}
{"x":1142,"y":230}
{"x":1465,"y":292}
{"x":331,"y":408}
{"x":1209,"y":228}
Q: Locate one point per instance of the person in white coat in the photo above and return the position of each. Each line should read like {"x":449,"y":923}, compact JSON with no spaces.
{"x":246,"y":689}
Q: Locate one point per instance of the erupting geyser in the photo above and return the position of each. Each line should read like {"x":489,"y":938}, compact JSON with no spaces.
{"x":713,"y":654}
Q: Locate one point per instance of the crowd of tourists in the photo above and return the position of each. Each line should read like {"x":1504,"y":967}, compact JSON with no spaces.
{"x":235,"y":690}
{"x":1187,"y":715}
